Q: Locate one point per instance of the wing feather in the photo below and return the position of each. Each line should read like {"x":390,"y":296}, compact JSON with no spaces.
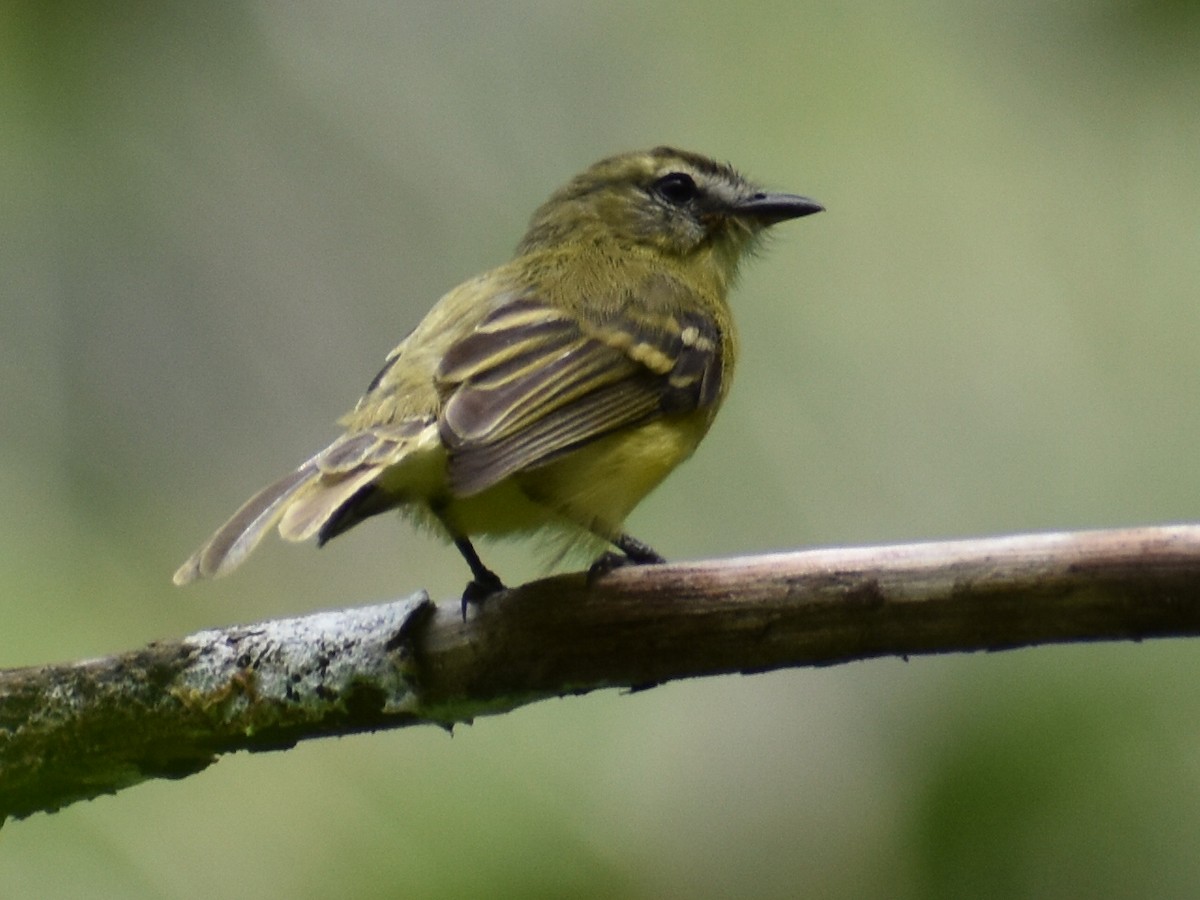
{"x":531,"y":382}
{"x":475,"y":467}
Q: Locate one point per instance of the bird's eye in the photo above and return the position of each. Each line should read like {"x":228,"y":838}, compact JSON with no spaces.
{"x":677,"y":188}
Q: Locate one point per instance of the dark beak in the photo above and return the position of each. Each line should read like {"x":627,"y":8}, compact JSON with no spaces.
{"x":771,"y":208}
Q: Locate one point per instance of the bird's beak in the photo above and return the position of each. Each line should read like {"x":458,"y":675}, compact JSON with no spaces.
{"x":771,"y":208}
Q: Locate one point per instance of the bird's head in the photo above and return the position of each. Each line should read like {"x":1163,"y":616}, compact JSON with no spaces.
{"x":673,"y":201}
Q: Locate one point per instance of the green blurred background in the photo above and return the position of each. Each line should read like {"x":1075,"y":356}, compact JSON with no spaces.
{"x":218,"y":218}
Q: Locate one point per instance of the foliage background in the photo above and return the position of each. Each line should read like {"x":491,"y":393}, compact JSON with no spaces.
{"x":217,"y":219}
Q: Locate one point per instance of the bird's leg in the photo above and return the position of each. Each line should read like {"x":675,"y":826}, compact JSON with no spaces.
{"x":633,"y":553}
{"x":484,"y":582}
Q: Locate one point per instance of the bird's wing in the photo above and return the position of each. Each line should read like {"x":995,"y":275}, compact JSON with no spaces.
{"x":532,"y":381}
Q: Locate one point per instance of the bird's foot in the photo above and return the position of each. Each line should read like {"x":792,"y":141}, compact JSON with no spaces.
{"x":607,"y":563}
{"x":636,"y":552}
{"x":478,"y":589}
{"x":633,"y":553}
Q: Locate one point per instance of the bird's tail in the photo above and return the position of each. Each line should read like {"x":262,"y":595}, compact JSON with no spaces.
{"x":234,"y":540}
{"x":324,"y":491}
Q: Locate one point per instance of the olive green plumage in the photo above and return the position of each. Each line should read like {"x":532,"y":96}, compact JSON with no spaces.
{"x":553,"y":392}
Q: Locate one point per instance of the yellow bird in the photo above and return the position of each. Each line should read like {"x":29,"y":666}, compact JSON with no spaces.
{"x":553,"y":392}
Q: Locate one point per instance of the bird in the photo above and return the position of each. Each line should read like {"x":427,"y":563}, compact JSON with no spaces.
{"x":550,"y":394}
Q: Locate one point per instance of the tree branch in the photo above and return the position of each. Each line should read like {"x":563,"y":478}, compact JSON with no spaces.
{"x":168,"y":710}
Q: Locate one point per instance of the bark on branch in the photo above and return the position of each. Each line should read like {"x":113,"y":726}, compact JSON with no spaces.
{"x":74,"y":731}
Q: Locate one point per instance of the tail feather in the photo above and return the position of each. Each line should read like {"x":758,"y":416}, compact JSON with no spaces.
{"x":324,"y":497}
{"x":307,"y":514}
{"x":234,"y":540}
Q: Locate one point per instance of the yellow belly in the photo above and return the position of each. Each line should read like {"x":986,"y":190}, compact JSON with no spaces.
{"x":593,"y":488}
